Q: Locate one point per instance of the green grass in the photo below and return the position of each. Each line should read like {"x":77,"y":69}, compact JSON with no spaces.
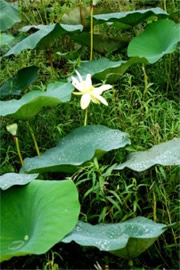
{"x":105,"y":195}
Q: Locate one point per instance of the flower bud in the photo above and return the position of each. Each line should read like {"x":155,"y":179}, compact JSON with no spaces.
{"x":12,"y":129}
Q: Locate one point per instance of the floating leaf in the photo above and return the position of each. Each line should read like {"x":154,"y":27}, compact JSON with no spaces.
{"x":101,"y":43}
{"x":11,"y":179}
{"x":31,"y":103}
{"x":8,"y":15}
{"x":104,"y":69}
{"x":37,"y":216}
{"x":128,"y":19}
{"x":5,"y":39}
{"x":43,"y":37}
{"x":76,"y":148}
{"x":18,"y":83}
{"x":166,"y":154}
{"x":158,"y":39}
{"x":127,"y":239}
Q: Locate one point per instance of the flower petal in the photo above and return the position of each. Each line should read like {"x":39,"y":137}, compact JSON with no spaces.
{"x":76,"y":84}
{"x":102,"y":88}
{"x":79,"y":76}
{"x":100,"y":98}
{"x":85,"y":100}
{"x":95,"y":100}
{"x":88,"y":80}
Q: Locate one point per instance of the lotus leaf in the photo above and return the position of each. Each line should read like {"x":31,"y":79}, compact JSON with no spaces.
{"x":128,"y":19}
{"x":37,"y":216}
{"x":158,"y":39}
{"x":101,"y":43}
{"x":5,"y":39}
{"x":12,"y":179}
{"x":43,"y":37}
{"x":8,"y":15}
{"x":18,"y":83}
{"x":76,"y":148}
{"x":127,"y":239}
{"x":104,"y":68}
{"x":166,"y":154}
{"x":31,"y":103}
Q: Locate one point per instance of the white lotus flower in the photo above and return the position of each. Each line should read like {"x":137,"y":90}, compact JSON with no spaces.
{"x":88,"y":91}
{"x":12,"y":129}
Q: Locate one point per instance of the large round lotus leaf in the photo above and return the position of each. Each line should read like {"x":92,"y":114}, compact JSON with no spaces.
{"x":5,"y":39}
{"x":11,"y":179}
{"x":158,"y":39}
{"x":166,"y":154}
{"x":8,"y":15}
{"x":130,"y":18}
{"x":37,"y":216}
{"x":18,"y":83}
{"x":78,"y":147}
{"x":127,"y":239}
{"x":101,"y":43}
{"x":31,"y":103}
{"x":43,"y":37}
{"x":105,"y":69}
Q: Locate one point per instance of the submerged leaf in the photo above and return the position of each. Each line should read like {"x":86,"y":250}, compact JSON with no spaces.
{"x":8,"y":15}
{"x":166,"y":154}
{"x":127,"y":239}
{"x":158,"y":39}
{"x":31,"y":103}
{"x":18,"y":83}
{"x":12,"y":179}
{"x":80,"y":146}
{"x":37,"y":216}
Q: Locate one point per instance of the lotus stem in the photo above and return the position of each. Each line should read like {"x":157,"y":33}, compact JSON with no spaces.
{"x":92,"y":30}
{"x":165,"y":7}
{"x":18,"y":150}
{"x":154,"y":207}
{"x":130,"y":262}
{"x":85,"y":118}
{"x":34,"y":138}
{"x":145,"y":80}
{"x":50,"y":60}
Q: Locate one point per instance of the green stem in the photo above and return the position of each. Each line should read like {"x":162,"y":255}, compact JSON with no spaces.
{"x":18,"y":150}
{"x":51,"y":61}
{"x":165,"y":8}
{"x":130,"y":262}
{"x":145,"y":80}
{"x":34,"y":138}
{"x":85,"y":118}
{"x":92,"y":30}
